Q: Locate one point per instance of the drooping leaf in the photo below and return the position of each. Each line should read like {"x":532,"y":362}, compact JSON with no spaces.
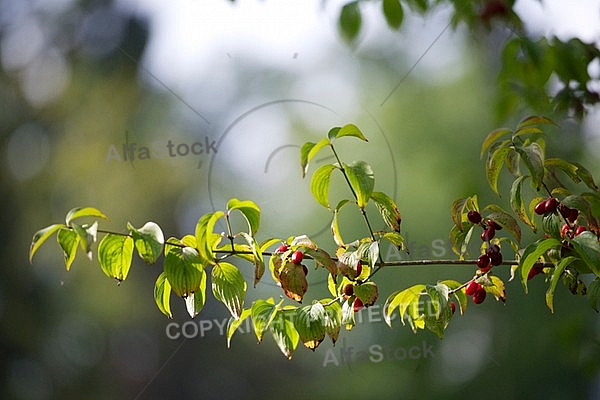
{"x":304,"y":241}
{"x":263,"y":312}
{"x":258,"y":261}
{"x":310,"y":325}
{"x":534,"y":120}
{"x":162,"y":295}
{"x":460,"y":240}
{"x":492,"y":137}
{"x":587,"y":247}
{"x":88,"y":235}
{"x":229,"y":287}
{"x":531,"y":255}
{"x":206,"y":239}
{"x":308,"y":151}
{"x":68,"y":241}
{"x":367,"y":292}
{"x":149,"y":241}
{"x":346,"y":130}
{"x":362,"y":181}
{"x":41,"y":236}
{"x":183,"y":267}
{"x":115,"y":253}
{"x":285,"y":334}
{"x":396,"y":239}
{"x":533,"y":157}
{"x":348,"y":314}
{"x":401,"y":299}
{"x":388,"y":210}
{"x":249,"y":210}
{"x":437,"y":312}
{"x":293,"y":281}
{"x":322,"y":258}
{"x":505,"y":220}
{"x":335,"y":229}
{"x":518,"y":205}
{"x":496,"y":288}
{"x":332,"y":319}
{"x":195,"y":301}
{"x":83,"y":212}
{"x":319,"y":184}
{"x":234,"y":324}
{"x":494,"y":165}
{"x":350,"y":21}
{"x":392,"y":10}
{"x":586,"y":177}
{"x":558,"y":271}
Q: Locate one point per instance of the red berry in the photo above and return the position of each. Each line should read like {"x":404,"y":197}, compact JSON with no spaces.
{"x":453,"y":307}
{"x":349,"y":290}
{"x":282,"y":249}
{"x":297,"y":257}
{"x":358,"y":305}
{"x":540,"y":208}
{"x":580,"y":230}
{"x":550,"y":205}
{"x":358,"y":269}
{"x":565,"y":230}
{"x":304,"y":269}
{"x":479,"y":296}
{"x":533,"y":272}
{"x":573,"y":214}
{"x":474,"y":217}
{"x":494,"y":225}
{"x":483,"y":263}
{"x":472,"y":288}
{"x":488,"y":234}
{"x":494,"y":253}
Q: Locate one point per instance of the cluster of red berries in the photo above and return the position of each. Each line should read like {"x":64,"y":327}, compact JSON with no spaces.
{"x":551,"y":205}
{"x":349,"y":291}
{"x":476,"y":291}
{"x":296,"y":257}
{"x":489,"y":226}
{"x":491,"y":258}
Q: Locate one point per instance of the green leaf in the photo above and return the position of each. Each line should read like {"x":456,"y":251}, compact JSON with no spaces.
{"x":534,"y":120}
{"x":362,"y":181}
{"x":401,"y":299}
{"x":115,"y":253}
{"x":162,"y":295}
{"x":323,"y":259}
{"x":183,"y":267}
{"x":319,"y":184}
{"x":529,"y":130}
{"x":308,"y":151}
{"x":496,"y":288}
{"x":568,"y":168}
{"x":366,"y":292}
{"x":587,"y":247}
{"x":83,"y":212}
{"x":229,"y":287}
{"x":558,"y":271}
{"x":392,"y":9}
{"x":149,"y":241}
{"x":41,"y":236}
{"x":310,"y":325}
{"x":492,"y":137}
{"x":460,"y":208}
{"x":249,"y":210}
{"x":333,"y":318}
{"x":234,"y":324}
{"x":586,"y":177}
{"x":350,"y":21}
{"x":335,"y":229}
{"x":87,"y":236}
{"x":494,"y":165}
{"x":460,"y":240}
{"x":195,"y":301}
{"x":68,"y":241}
{"x":206,"y":239}
{"x":460,"y":295}
{"x":438,"y":302}
{"x":259,"y":262}
{"x":505,"y":220}
{"x":346,"y":130}
{"x":263,"y":312}
{"x":593,"y":294}
{"x":293,"y":281}
{"x":388,"y":210}
{"x":518,"y":205}
{"x":285,"y":334}
{"x":348,"y":313}
{"x":531,"y":255}
{"x":533,"y":157}
{"x":395,"y":238}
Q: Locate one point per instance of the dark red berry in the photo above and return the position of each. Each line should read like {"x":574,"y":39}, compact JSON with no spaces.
{"x":533,"y":272}
{"x":479,"y":296}
{"x":580,"y":230}
{"x":492,"y":224}
{"x":297,"y":257}
{"x":474,"y":217}
{"x":349,"y":289}
{"x":540,"y":208}
{"x":358,"y":305}
{"x":472,"y":288}
{"x":304,"y":269}
{"x":573,"y":214}
{"x":358,"y":269}
{"x":564,"y":231}
{"x":483,"y":263}
{"x":453,"y":307}
{"x":550,"y":205}
{"x":488,"y":234}
{"x":494,"y":253}
{"x":282,"y":249}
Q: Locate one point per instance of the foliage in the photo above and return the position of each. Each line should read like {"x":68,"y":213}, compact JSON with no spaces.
{"x":563,"y":254}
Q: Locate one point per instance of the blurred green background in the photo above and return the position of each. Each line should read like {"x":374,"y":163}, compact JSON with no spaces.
{"x":78,"y":77}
